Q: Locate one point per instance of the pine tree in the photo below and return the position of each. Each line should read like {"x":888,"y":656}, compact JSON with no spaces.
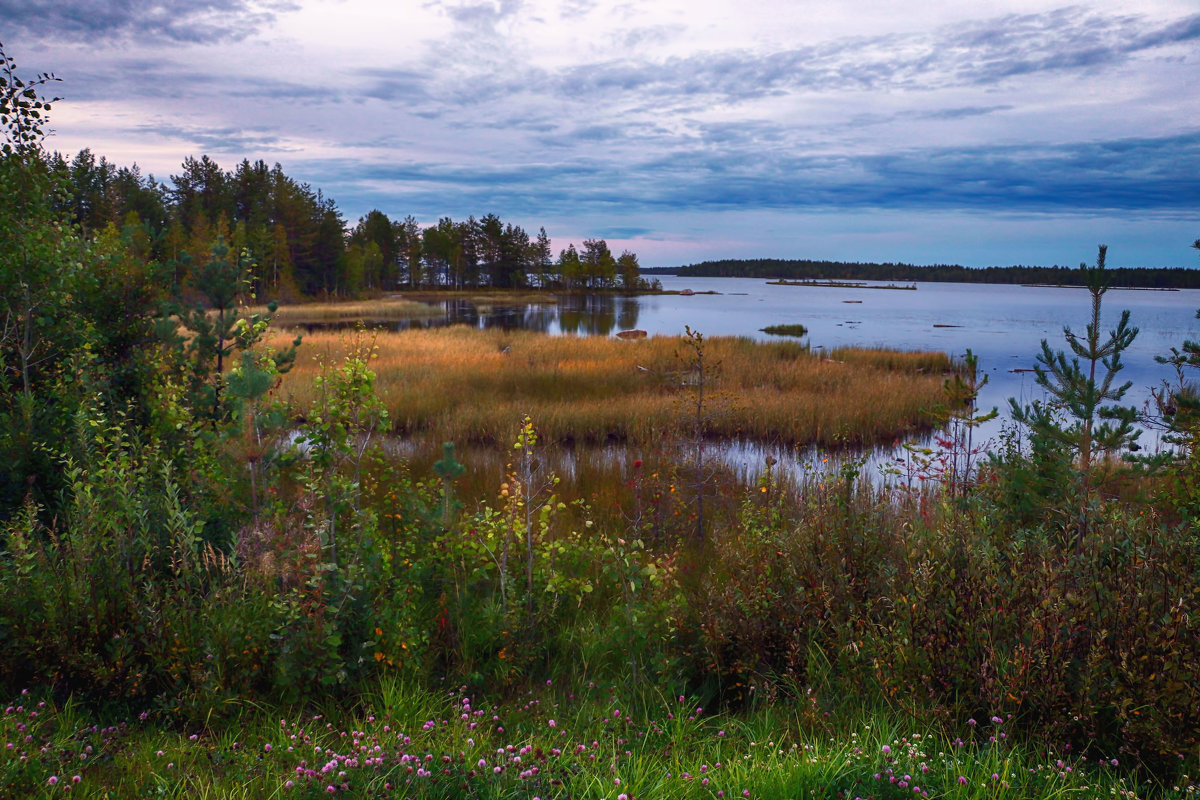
{"x":1081,"y":414}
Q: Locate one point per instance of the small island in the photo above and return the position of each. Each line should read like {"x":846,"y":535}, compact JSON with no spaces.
{"x":912,"y":287}
{"x":794,"y":329}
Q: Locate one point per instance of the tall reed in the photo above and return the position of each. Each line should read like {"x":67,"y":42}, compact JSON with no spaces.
{"x":470,"y":385}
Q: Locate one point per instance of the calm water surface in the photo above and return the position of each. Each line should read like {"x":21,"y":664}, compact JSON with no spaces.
{"x":1003,"y":325}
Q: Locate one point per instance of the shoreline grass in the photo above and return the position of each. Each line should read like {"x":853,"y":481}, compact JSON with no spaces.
{"x":472,"y":385}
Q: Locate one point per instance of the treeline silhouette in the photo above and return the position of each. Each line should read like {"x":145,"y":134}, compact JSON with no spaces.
{"x":301,"y":245}
{"x":802,"y":269}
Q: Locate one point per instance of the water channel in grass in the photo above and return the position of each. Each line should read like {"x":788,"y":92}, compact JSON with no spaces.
{"x":1002,"y":324}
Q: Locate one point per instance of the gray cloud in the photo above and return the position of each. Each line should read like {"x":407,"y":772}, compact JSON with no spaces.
{"x":574,"y":9}
{"x":481,"y":15}
{"x":229,"y":140}
{"x":623,"y":232}
{"x":1144,"y":175}
{"x":179,"y":21}
{"x":395,"y":85}
{"x":977,"y":53}
{"x":643,"y":36}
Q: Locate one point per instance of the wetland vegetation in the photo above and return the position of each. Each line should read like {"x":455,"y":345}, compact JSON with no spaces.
{"x":469,"y":385}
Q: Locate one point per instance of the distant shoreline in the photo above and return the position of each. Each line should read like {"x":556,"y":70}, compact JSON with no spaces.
{"x":1081,"y":286}
{"x":1160,"y":278}
{"x":841,"y":285}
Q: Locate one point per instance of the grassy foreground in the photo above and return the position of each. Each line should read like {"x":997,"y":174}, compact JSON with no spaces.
{"x":469,"y":385}
{"x":544,"y":744}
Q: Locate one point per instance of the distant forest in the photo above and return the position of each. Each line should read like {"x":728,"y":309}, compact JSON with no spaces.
{"x":800,"y":269}
{"x":298,"y":244}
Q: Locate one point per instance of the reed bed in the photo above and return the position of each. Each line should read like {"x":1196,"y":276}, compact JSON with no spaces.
{"x":474,"y":385}
{"x":914,"y":361}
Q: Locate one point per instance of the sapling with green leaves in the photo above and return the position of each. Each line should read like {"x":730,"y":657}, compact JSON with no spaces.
{"x":528,"y":484}
{"x":699,"y":373}
{"x":449,"y":470}
{"x":1091,"y":425}
{"x":217,"y":332}
{"x":953,"y":460}
{"x":338,"y":433}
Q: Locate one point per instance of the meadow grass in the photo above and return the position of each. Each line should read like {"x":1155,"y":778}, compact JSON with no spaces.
{"x":590,"y":742}
{"x":475,"y":385}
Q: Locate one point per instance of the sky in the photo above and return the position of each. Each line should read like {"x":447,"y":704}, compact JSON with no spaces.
{"x":940,"y":131}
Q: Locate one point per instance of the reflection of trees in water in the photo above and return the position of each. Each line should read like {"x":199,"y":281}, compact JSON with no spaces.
{"x":540,"y":317}
{"x":627,"y":313}
{"x":591,"y":315}
{"x":596,"y":314}
{"x":460,"y":312}
{"x":534,"y":317}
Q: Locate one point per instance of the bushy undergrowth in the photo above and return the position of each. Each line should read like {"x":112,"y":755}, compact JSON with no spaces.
{"x":193,"y":565}
{"x":935,"y":607}
{"x":942,"y":610}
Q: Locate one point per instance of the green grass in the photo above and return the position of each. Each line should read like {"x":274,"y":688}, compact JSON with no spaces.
{"x":545,"y":743}
{"x":786,"y":330}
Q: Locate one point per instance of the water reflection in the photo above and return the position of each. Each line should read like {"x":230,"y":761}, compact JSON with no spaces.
{"x":596,"y":314}
{"x":584,"y":315}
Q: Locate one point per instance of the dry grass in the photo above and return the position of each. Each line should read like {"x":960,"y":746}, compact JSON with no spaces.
{"x":915,"y":361}
{"x":474,"y":385}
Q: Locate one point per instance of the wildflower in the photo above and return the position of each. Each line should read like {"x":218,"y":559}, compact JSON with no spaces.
{"x":887,"y":750}
{"x":266,"y":748}
{"x":53,"y":780}
{"x":552,"y":723}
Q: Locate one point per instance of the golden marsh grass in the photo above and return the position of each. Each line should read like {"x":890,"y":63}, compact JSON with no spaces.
{"x":466,"y":384}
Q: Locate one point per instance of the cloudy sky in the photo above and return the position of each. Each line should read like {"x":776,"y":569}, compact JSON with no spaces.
{"x":939,"y":131}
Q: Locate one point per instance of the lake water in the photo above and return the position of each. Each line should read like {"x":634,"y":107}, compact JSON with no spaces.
{"x":1002,"y":324}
